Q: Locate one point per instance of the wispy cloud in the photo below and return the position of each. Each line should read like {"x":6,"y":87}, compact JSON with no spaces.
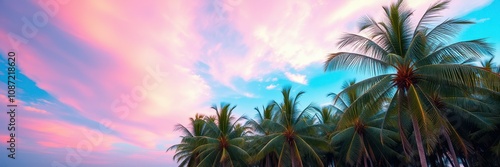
{"x":272,"y":86}
{"x":33,"y":109}
{"x":274,"y":79}
{"x":298,"y":78}
{"x":249,"y":95}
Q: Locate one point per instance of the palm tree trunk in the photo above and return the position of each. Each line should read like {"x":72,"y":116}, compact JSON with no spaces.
{"x":418,"y":139}
{"x":404,"y":140}
{"x":296,"y":160}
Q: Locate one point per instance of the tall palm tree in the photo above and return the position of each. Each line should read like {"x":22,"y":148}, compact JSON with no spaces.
{"x":184,"y":151}
{"x":292,"y":132}
{"x":222,"y":144}
{"x":408,"y":62}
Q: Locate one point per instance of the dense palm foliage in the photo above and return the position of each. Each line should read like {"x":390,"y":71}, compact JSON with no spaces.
{"x":221,"y":146}
{"x":427,"y":103}
{"x":185,"y":150}
{"x":293,"y":133}
{"x":357,"y":136}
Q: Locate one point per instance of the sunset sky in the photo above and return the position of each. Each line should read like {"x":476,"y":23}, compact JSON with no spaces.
{"x":102,"y":83}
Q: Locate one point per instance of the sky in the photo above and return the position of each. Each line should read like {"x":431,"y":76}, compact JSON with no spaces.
{"x":103,"y":83}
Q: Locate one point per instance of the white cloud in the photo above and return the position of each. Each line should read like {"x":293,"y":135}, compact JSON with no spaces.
{"x":271,"y":79}
{"x":272,"y":86}
{"x":249,"y":95}
{"x":301,"y":79}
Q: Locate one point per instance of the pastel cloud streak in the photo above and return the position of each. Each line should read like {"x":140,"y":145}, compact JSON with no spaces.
{"x":134,"y":64}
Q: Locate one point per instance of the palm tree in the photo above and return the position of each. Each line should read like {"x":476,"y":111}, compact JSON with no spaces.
{"x":357,"y":136}
{"x":293,"y":132}
{"x":185,"y":150}
{"x":328,"y":119}
{"x":222,"y":144}
{"x":489,"y":65}
{"x":408,"y":63}
{"x":261,"y":127}
{"x":359,"y":140}
{"x":486,"y":64}
{"x":268,"y":114}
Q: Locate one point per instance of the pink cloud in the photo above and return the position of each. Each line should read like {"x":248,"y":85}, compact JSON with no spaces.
{"x":49,"y":144}
{"x":4,"y":138}
{"x":33,"y":109}
{"x":60,"y":134}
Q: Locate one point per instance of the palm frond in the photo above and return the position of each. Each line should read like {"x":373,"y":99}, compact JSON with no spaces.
{"x":363,"y":45}
{"x":354,"y":61}
{"x":458,"y":52}
{"x":301,"y":141}
{"x":444,"y":32}
{"x":430,"y":15}
{"x":461,"y":74}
